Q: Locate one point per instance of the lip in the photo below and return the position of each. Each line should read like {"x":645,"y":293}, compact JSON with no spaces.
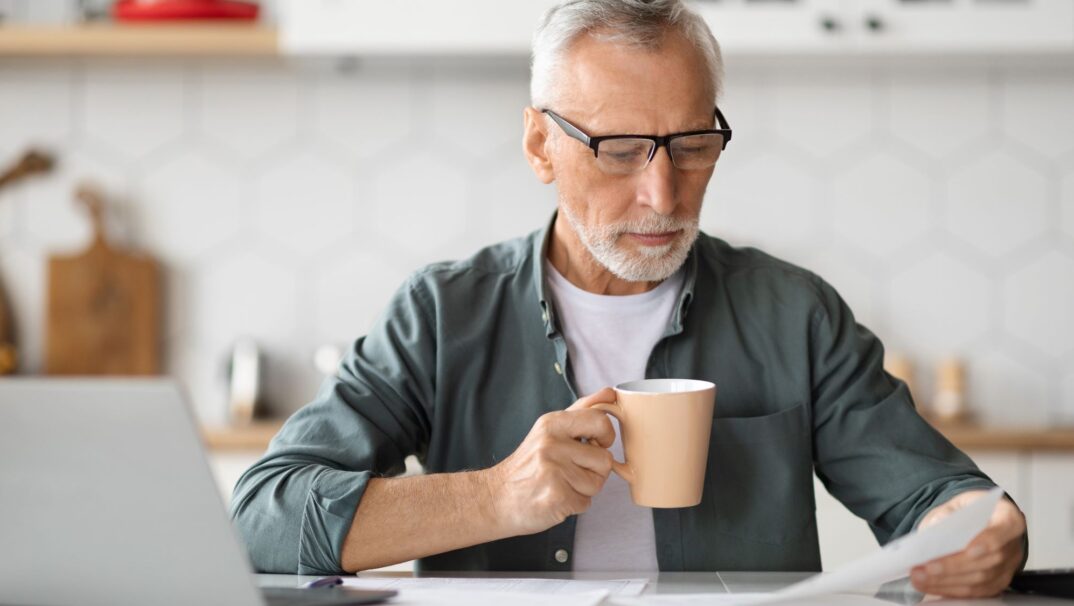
{"x":654,"y":239}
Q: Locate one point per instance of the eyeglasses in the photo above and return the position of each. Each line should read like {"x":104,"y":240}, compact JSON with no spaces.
{"x":625,"y":154}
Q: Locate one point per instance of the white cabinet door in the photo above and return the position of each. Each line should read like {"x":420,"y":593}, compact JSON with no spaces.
{"x":1051,"y":513}
{"x":752,"y":26}
{"x":982,"y":26}
{"x":418,"y":27}
{"x":1009,"y":470}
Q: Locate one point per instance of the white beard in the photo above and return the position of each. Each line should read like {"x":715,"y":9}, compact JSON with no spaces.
{"x":647,"y":263}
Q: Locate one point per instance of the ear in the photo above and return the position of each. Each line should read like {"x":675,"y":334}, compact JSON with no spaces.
{"x":536,"y":144}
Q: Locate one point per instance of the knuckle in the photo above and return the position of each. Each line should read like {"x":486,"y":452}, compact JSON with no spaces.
{"x":545,"y":421}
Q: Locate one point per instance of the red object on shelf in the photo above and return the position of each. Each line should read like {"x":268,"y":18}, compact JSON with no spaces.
{"x":178,"y":10}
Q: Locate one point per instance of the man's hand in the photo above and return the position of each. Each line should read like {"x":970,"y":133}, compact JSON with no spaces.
{"x":553,"y":474}
{"x":985,"y":567}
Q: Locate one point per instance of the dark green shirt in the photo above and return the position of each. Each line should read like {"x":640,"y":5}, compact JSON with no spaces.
{"x":468,"y":355}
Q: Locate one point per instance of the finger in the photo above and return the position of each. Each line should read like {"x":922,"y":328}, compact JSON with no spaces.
{"x":974,"y":578}
{"x":966,"y":588}
{"x":964,"y":591}
{"x":587,"y":456}
{"x":993,"y":570}
{"x":583,"y":481}
{"x":592,"y":424}
{"x":985,"y":546}
{"x":606,"y":395}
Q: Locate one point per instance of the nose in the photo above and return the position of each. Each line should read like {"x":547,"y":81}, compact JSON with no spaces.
{"x":657,"y":183}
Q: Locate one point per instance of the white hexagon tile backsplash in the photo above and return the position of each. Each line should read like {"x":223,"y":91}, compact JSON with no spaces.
{"x":288,"y":202}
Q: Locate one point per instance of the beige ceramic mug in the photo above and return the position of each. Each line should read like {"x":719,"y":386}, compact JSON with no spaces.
{"x":665,"y":426}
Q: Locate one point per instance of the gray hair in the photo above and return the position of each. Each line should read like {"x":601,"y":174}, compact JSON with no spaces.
{"x":636,"y":23}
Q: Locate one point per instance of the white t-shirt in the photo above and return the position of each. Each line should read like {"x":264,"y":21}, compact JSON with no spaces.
{"x":609,"y":339}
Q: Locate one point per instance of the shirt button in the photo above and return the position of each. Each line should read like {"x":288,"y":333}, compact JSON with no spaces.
{"x":559,"y":371}
{"x":562,"y":556}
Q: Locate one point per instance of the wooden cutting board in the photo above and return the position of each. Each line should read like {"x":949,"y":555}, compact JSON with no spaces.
{"x":103,"y":307}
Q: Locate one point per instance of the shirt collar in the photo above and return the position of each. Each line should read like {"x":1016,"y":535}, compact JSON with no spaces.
{"x":544,"y":298}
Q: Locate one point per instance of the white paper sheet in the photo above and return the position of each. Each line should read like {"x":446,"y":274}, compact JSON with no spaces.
{"x":894,"y":561}
{"x":621,"y":587}
{"x":457,"y":597}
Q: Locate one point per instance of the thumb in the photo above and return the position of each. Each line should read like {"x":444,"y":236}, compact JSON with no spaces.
{"x":606,"y":395}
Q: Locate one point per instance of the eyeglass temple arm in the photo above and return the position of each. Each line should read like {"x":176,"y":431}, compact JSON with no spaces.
{"x":569,"y":128}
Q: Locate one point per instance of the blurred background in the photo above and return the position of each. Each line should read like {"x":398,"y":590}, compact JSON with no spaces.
{"x":266,"y":175}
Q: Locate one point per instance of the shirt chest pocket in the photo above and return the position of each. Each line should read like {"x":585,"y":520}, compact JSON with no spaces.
{"x":759,"y":477}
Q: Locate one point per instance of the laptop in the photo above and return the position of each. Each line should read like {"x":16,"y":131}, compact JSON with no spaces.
{"x":106,"y":497}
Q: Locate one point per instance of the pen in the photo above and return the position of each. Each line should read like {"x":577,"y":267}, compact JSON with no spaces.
{"x":324,"y":582}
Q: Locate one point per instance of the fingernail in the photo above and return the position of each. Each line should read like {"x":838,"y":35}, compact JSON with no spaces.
{"x":935,"y":568}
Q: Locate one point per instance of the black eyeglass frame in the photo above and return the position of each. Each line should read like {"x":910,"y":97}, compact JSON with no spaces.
{"x":593,"y":143}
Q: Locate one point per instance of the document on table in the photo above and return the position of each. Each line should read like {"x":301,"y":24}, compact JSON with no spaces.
{"x":457,"y":597}
{"x":894,"y":561}
{"x":542,"y":587}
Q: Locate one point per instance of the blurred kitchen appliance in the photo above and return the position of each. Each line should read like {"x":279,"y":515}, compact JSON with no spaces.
{"x":244,"y":382}
{"x":949,"y":402}
{"x":902,"y":368}
{"x":32,"y":162}
{"x":326,"y":359}
{"x":181,"y":10}
{"x":103,"y":307}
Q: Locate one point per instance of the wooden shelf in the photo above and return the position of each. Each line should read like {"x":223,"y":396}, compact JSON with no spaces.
{"x":972,"y":437}
{"x":252,"y":437}
{"x":191,"y":39}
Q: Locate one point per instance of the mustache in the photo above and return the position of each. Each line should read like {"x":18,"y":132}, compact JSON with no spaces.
{"x":654,"y":224}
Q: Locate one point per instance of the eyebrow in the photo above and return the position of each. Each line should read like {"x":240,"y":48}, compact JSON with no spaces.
{"x":598,"y":131}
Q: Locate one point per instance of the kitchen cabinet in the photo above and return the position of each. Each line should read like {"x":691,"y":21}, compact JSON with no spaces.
{"x":994,"y":26}
{"x":416,"y":27}
{"x":743,"y":27}
{"x":891,"y":26}
{"x":1051,"y":540}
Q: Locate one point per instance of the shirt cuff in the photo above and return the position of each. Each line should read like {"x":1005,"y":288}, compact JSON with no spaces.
{"x":326,"y":519}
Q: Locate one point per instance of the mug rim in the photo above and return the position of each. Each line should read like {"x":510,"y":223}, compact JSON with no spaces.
{"x":636,"y":387}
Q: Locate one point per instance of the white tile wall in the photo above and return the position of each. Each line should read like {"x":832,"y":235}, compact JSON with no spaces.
{"x":288,"y":202}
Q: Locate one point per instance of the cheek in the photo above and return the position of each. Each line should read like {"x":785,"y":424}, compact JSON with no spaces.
{"x":593,"y":194}
{"x":692,"y":189}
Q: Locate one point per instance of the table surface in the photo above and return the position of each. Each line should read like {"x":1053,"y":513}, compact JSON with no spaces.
{"x":898,"y":592}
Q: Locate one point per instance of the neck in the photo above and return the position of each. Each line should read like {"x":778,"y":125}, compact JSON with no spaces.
{"x":574,"y":262}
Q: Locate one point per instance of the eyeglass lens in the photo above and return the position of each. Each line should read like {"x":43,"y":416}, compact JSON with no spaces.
{"x":627,"y":155}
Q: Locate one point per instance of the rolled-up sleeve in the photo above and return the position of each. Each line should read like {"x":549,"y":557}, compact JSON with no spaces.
{"x":872,"y":450}
{"x":294,"y":507}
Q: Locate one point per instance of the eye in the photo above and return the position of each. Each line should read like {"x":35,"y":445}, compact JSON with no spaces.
{"x":624,"y":155}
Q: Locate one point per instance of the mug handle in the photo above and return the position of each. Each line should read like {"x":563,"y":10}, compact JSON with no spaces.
{"x":621,"y":469}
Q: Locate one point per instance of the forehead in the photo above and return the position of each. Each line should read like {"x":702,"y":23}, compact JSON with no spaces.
{"x":614,"y":87}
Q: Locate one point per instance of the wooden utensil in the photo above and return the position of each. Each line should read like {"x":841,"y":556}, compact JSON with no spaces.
{"x":103,"y":307}
{"x":31,"y":163}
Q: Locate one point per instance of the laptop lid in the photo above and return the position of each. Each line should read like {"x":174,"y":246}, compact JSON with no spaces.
{"x":106,"y":498}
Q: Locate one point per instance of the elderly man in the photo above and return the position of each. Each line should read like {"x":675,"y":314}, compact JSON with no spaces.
{"x":477,"y":366}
